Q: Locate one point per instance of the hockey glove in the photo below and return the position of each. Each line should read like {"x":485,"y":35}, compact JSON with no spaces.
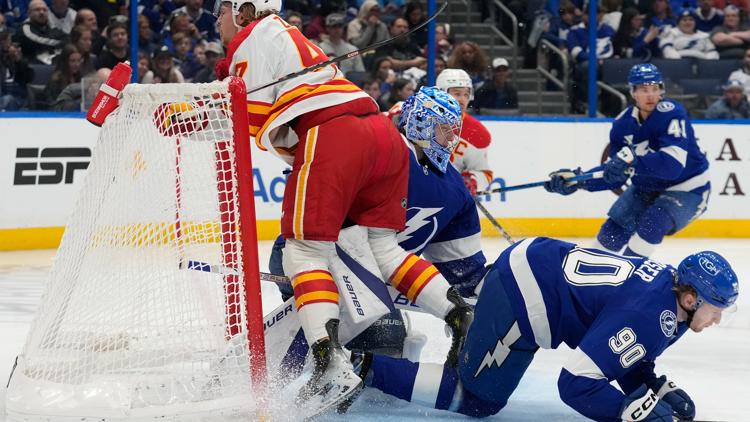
{"x":616,"y":170}
{"x":471,"y":182}
{"x":681,"y":403}
{"x":558,"y":184}
{"x":643,"y":405}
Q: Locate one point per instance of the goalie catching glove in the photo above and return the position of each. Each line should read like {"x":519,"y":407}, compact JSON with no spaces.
{"x":558,"y":184}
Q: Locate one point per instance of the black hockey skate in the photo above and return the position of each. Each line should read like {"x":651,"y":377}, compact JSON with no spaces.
{"x":333,"y":379}
{"x":458,"y":319}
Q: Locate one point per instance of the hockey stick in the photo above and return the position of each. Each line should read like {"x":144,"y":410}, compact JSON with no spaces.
{"x":348,"y":56}
{"x":579,"y":178}
{"x":493,"y":221}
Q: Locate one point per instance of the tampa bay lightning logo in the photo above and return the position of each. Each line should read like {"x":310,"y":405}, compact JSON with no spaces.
{"x":421,"y":225}
{"x":708,"y":266}
{"x":668,"y":322}
{"x":665,"y":106}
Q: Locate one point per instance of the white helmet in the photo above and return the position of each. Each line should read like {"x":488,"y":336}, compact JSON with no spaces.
{"x":260,"y":5}
{"x":455,"y":78}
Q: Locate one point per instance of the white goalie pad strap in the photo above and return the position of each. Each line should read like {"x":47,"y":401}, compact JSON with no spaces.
{"x":641,"y":407}
{"x":581,"y":365}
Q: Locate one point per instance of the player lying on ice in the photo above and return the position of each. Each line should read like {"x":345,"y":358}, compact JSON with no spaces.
{"x":654,"y":142}
{"x":618,"y":314}
{"x":348,"y":164}
{"x":442,"y":226}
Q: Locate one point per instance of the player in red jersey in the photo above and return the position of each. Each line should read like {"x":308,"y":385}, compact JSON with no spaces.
{"x":470,"y":154}
{"x":349,"y":166}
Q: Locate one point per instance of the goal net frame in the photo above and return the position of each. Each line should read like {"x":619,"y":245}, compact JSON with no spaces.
{"x":216,"y":115}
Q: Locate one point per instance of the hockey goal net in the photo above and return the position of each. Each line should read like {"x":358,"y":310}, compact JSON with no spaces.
{"x":153,"y":306}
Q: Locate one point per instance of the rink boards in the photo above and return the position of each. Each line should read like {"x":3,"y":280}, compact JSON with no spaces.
{"x":45,"y":160}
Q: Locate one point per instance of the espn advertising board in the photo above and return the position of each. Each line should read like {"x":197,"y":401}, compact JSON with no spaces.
{"x":45,"y":160}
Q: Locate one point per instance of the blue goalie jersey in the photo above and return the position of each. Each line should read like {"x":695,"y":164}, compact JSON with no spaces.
{"x":618,"y":314}
{"x":667,"y":154}
{"x":442,"y":224}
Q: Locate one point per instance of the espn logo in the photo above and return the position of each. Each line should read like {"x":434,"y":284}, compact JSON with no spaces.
{"x":49,"y":166}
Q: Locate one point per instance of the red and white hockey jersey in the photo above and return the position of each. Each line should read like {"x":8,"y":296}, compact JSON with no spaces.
{"x":470,"y":154}
{"x":269,"y":49}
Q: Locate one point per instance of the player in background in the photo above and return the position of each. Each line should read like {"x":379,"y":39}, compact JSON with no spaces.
{"x":654,"y":142}
{"x":442,"y":222}
{"x":618,"y":314}
{"x":349,"y":164}
{"x":470,"y":154}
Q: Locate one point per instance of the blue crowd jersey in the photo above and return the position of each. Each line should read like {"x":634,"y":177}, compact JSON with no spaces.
{"x":442,"y":224}
{"x":617,"y":313}
{"x":667,"y":154}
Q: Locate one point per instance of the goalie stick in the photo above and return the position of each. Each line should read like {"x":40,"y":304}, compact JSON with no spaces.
{"x":494,"y":222}
{"x":579,"y":178}
{"x":348,"y":56}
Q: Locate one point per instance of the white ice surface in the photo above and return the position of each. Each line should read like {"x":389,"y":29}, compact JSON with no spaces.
{"x":713,"y":366}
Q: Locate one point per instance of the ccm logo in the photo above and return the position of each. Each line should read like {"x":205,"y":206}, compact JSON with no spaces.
{"x":50,"y":166}
{"x":645,"y":407}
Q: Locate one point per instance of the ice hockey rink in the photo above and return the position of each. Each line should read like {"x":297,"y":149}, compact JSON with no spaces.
{"x":713,"y":366}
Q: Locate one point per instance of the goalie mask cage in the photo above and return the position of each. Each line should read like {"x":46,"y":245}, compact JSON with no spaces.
{"x":129,"y":326}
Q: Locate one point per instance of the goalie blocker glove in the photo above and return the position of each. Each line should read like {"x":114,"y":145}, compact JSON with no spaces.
{"x":643,"y":405}
{"x":676,"y":397}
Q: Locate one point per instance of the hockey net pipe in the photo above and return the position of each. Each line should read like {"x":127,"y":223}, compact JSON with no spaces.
{"x":125,"y":328}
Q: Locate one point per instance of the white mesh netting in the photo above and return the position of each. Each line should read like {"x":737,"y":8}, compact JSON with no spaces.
{"x":126,"y":328}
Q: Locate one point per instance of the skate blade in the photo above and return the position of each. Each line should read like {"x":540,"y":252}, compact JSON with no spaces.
{"x":330,"y":396}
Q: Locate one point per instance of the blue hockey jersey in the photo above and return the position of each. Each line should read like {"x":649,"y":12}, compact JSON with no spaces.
{"x":442,"y":224}
{"x":667,"y":153}
{"x":617,"y":313}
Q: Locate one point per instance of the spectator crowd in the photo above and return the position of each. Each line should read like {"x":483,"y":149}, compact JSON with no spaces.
{"x":54,"y":53}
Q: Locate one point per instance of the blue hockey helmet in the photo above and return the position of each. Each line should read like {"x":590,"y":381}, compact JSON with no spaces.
{"x":711,"y":276}
{"x":644,"y":74}
{"x":431,"y":119}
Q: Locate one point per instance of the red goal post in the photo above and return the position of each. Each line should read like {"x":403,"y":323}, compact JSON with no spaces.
{"x":129,"y":326}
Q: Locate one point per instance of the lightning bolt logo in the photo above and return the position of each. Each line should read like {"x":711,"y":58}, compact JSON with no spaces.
{"x":423,"y":217}
{"x":501,"y":351}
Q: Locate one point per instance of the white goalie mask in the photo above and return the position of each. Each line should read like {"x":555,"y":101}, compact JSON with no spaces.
{"x":455,"y":78}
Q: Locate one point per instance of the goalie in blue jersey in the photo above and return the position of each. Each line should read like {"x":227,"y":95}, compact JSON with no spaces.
{"x":442,"y":224}
{"x":618,"y":314}
{"x":653,"y":145}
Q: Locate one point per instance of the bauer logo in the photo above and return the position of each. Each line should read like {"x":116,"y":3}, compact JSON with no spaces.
{"x":668,"y":322}
{"x":49,"y":166}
